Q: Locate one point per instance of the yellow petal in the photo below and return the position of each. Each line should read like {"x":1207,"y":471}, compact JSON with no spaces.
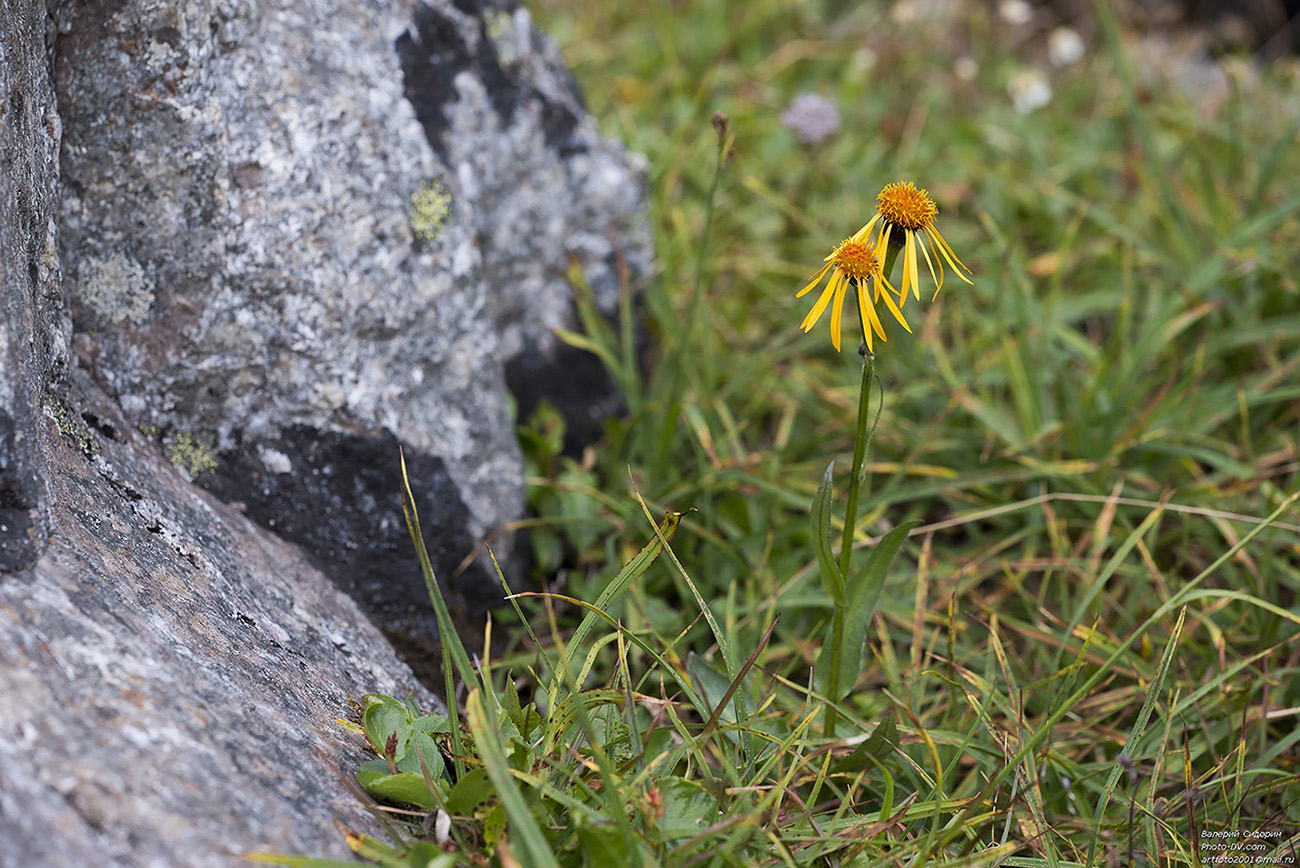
{"x":898,"y":314}
{"x":915,"y":272}
{"x":956,"y":263}
{"x":817,"y":278}
{"x":868,"y":314}
{"x":865,"y":230}
{"x":813,"y":315}
{"x":938,"y":280}
{"x":840,"y":282}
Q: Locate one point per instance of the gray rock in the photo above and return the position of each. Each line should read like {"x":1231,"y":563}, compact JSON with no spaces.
{"x":502,"y":111}
{"x":296,"y":227}
{"x":282,"y":270}
{"x":172,"y":672}
{"x":33,"y":329}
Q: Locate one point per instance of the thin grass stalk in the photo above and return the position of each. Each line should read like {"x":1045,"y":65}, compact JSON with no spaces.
{"x":673,"y":363}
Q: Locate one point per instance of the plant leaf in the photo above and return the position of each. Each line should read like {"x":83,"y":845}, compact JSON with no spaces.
{"x":406,"y":787}
{"x":632,"y":571}
{"x":863,"y":595}
{"x":384,"y":717}
{"x":525,"y":834}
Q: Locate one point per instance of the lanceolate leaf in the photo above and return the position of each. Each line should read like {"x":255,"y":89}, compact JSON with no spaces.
{"x":863,"y":595}
{"x":634,"y":569}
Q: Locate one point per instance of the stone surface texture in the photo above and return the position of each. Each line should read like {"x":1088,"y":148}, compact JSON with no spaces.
{"x":293,"y":238}
{"x":33,"y":327}
{"x":332,"y":220}
{"x":171,"y":672}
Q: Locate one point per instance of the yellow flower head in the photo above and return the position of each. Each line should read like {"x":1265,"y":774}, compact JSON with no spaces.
{"x":854,"y":262}
{"x":906,"y":209}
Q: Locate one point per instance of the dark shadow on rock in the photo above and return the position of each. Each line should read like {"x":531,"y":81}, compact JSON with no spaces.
{"x":574,"y":381}
{"x":434,"y":51}
{"x":338,"y":497}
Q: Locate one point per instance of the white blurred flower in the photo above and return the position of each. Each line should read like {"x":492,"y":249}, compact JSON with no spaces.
{"x":924,"y":11}
{"x":1064,"y":46}
{"x":858,"y":70}
{"x":812,"y":118}
{"x":1029,"y":90}
{"x":1015,"y":11}
{"x":965,"y":68}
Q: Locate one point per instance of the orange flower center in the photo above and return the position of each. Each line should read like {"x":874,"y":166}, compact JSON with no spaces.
{"x":907,"y":207}
{"x":856,"y":260}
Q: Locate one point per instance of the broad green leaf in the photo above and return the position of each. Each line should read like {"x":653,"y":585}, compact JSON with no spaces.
{"x":384,"y":717}
{"x":688,"y":809}
{"x":470,"y":793}
{"x":494,"y":826}
{"x":604,"y":844}
{"x":423,"y":730}
{"x":832,"y":581}
{"x":425,"y":855}
{"x":524,"y":719}
{"x":401,"y":787}
{"x":877,"y":746}
{"x":863,"y":595}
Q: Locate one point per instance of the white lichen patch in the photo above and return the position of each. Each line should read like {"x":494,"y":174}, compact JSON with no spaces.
{"x":274,"y":460}
{"x":429,"y":210}
{"x":114,"y":289}
{"x":500,"y":28}
{"x":159,"y":56}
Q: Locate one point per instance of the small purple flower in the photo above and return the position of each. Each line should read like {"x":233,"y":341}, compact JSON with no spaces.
{"x":812,"y":118}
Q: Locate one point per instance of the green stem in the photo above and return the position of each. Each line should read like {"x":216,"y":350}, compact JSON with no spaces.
{"x":861,"y":439}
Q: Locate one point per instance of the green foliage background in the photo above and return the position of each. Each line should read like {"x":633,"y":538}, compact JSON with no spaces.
{"x":1086,"y":653}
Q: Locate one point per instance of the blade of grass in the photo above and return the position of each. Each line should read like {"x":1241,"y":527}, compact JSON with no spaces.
{"x":455,"y":660}
{"x":524,"y":831}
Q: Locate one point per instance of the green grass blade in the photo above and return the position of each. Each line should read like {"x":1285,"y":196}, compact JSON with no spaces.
{"x":632,"y":571}
{"x":832,"y":580}
{"x":525,"y":834}
{"x":1139,"y":726}
{"x":455,"y":659}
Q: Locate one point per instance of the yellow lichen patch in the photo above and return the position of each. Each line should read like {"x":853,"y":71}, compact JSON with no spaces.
{"x":193,"y":453}
{"x":71,"y":425}
{"x":428,"y":210}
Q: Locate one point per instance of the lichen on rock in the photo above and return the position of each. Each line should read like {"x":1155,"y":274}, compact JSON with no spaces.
{"x":114,"y":289}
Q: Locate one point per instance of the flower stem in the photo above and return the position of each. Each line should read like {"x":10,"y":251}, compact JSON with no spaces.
{"x":861,"y":439}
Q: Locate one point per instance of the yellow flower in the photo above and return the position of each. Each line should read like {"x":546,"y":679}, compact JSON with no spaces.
{"x":912,"y":212}
{"x":852,"y":262}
